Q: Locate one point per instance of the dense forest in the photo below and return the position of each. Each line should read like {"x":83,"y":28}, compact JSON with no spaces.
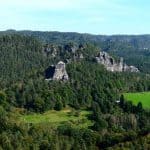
{"x":135,"y":49}
{"x":24,"y":57}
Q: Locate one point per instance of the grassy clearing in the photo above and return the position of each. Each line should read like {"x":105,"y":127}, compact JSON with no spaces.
{"x":143,"y":97}
{"x":78,"y":118}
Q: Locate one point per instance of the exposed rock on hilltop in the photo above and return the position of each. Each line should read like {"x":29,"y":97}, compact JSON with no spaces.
{"x":109,"y":62}
{"x":60,"y":72}
{"x":111,"y":65}
{"x":57,"y":72}
{"x":130,"y":68}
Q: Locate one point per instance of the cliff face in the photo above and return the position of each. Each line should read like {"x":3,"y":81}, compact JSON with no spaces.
{"x":130,"y":68}
{"x":109,"y":62}
{"x":113,"y":66}
{"x":57,"y":72}
{"x":60,"y":72}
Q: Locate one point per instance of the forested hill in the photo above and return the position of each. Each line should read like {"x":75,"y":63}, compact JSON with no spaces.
{"x":85,"y":112}
{"x":134,"y":48}
{"x":139,"y":41}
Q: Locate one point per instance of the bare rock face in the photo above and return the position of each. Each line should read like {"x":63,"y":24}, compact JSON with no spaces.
{"x":57,"y":72}
{"x":109,"y":62}
{"x":113,"y":66}
{"x":60,"y":72}
{"x":130,"y":68}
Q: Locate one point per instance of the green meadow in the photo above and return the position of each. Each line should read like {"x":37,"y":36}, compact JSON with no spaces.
{"x":143,"y":97}
{"x":77,"y":118}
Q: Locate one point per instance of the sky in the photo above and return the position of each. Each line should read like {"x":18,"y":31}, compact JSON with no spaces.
{"x":105,"y":17}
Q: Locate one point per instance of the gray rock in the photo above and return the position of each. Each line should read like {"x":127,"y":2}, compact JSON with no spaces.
{"x":81,"y":56}
{"x":113,"y":66}
{"x":60,"y":72}
{"x":130,"y":68}
{"x":57,"y":72}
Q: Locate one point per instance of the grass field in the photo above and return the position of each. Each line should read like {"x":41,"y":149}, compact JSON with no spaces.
{"x":143,"y":97}
{"x":53,"y":117}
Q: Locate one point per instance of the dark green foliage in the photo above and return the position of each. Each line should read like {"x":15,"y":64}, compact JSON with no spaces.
{"x":127,"y":106}
{"x":2,"y":98}
{"x":39,"y":105}
{"x":135,"y":49}
{"x":23,"y":61}
{"x":139,"y":107}
{"x":19,"y":57}
{"x":58,"y":105}
{"x":3,"y":119}
{"x":100,"y":125}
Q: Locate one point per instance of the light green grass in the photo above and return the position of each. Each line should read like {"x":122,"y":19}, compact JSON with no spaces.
{"x":57,"y":117}
{"x":143,"y":97}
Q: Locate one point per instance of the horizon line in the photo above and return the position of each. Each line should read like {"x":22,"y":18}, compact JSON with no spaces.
{"x":94,"y":34}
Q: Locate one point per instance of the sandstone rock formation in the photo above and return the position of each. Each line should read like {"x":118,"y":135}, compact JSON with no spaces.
{"x":60,"y":72}
{"x":57,"y":72}
{"x":130,"y":68}
{"x":113,"y":66}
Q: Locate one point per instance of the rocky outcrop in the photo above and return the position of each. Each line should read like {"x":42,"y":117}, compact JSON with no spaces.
{"x":50,"y":50}
{"x":130,"y":68}
{"x":71,"y":47}
{"x":112,"y":65}
{"x":60,"y":72}
{"x":57,"y":72}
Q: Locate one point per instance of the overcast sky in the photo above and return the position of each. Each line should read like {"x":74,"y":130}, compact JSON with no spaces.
{"x":85,"y":16}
